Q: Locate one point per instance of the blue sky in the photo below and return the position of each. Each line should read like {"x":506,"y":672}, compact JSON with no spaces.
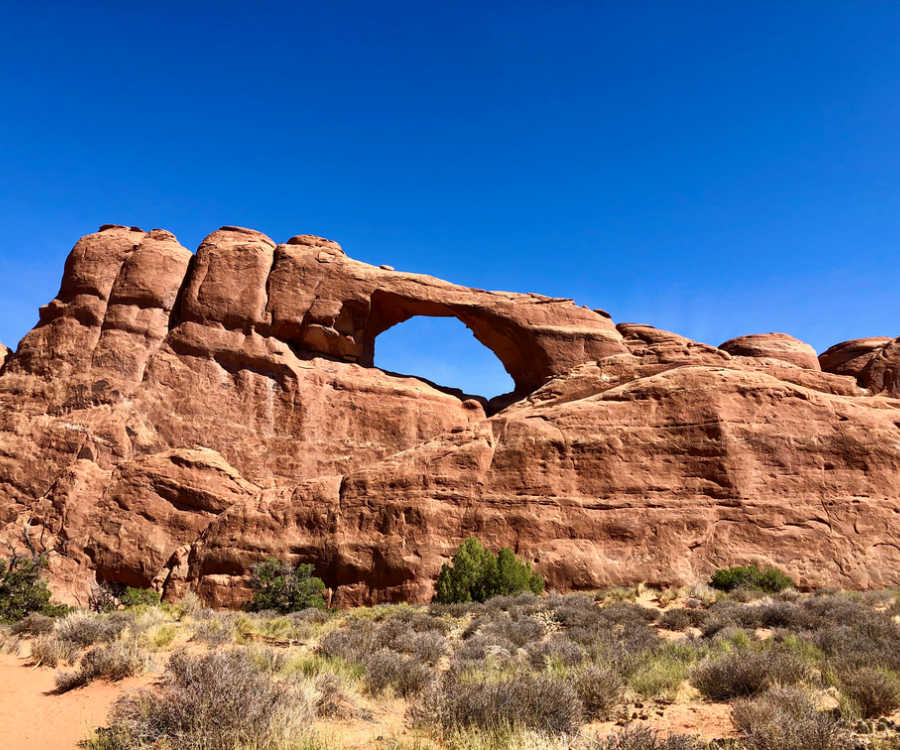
{"x":710,"y":168}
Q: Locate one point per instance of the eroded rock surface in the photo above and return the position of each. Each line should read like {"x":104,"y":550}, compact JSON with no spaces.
{"x":174,"y":418}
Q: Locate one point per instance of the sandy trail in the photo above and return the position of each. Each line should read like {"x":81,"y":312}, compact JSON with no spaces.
{"x":32,"y":718}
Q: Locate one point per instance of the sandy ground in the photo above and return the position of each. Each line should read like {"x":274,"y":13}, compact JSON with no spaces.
{"x":33,"y":718}
{"x":708,"y":720}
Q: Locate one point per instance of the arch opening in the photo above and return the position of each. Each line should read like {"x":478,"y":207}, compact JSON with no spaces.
{"x":444,"y":352}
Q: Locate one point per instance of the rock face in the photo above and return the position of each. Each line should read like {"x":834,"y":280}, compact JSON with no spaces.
{"x":173,"y":418}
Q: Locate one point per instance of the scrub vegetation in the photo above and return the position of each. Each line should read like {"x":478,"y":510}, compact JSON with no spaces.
{"x":601,"y":671}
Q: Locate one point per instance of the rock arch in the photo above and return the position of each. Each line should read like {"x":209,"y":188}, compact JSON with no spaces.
{"x":535,"y":337}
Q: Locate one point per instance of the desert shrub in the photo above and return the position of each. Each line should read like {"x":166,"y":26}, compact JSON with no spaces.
{"x":85,"y":630}
{"x":135,"y":597}
{"x":162,"y":636}
{"x":330,"y":701}
{"x":103,"y":596}
{"x":352,"y":644}
{"x":405,"y":628}
{"x":781,"y":615}
{"x":520,"y":631}
{"x":724,"y":614}
{"x":485,"y":647}
{"x":505,"y":738}
{"x":618,"y":593}
{"x":281,"y":628}
{"x":770,"y":580}
{"x":823,"y":610}
{"x":628,"y":613}
{"x":875,"y":692}
{"x":456,"y":610}
{"x":23,"y":589}
{"x":404,"y":674}
{"x":10,"y":644}
{"x":746,"y":594}
{"x":681,"y":619}
{"x":621,"y":637}
{"x":476,"y":574}
{"x":418,"y":620}
{"x":309,"y":616}
{"x":574,"y":610}
{"x":644,"y":738}
{"x":189,"y":605}
{"x":33,"y":624}
{"x":50,"y":651}
{"x":427,"y":647}
{"x":66,"y":681}
{"x":861,"y":641}
{"x":113,"y":661}
{"x":557,"y":650}
{"x":599,"y":689}
{"x":216,"y":630}
{"x":743,"y":672}
{"x":214,"y":701}
{"x":702,"y":595}
{"x":313,"y":665}
{"x":526,"y":602}
{"x":787,"y":719}
{"x":268,"y":659}
{"x":282,"y":588}
{"x":527,"y":700}
{"x":732,"y":637}
{"x":410,"y":635}
{"x":663,"y":670}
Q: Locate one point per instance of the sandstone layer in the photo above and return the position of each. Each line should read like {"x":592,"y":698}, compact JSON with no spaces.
{"x":175,"y":417}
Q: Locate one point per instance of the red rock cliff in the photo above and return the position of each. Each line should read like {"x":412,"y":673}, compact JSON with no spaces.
{"x":173,"y":418}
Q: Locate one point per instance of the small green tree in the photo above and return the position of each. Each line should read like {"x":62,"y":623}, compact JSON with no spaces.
{"x":134,"y":597}
{"x":476,"y":574}
{"x":280,"y":587}
{"x":770,"y":580}
{"x":23,"y":589}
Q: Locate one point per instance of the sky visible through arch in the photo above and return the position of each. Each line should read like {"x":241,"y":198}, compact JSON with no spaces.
{"x":711,"y":169}
{"x":445,"y":352}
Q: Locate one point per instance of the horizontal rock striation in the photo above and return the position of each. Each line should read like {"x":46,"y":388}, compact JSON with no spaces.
{"x":174,"y":417}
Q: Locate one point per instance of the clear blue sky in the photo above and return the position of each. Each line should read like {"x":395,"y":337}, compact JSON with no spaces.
{"x":710,"y":168}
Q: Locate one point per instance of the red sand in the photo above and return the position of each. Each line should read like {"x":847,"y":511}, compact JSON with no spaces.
{"x":32,"y":718}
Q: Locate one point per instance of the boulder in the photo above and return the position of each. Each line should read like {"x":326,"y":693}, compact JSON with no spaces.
{"x":774,"y":346}
{"x":882,"y":372}
{"x":851,"y":357}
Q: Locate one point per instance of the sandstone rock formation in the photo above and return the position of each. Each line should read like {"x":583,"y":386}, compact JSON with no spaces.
{"x":173,"y":418}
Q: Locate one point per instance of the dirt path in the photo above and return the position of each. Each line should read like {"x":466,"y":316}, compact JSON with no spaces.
{"x":32,"y":718}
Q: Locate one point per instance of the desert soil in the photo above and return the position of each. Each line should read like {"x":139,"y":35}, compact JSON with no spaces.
{"x":32,"y":717}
